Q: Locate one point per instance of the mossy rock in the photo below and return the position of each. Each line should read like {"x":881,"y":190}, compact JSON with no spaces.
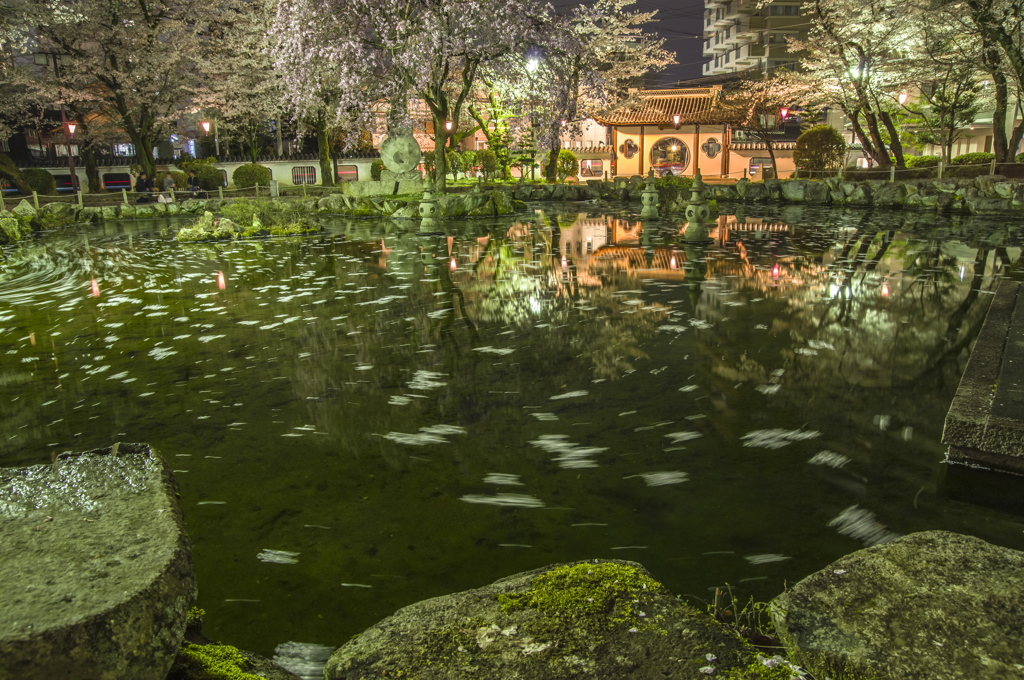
{"x":599,"y":619}
{"x":10,"y":230}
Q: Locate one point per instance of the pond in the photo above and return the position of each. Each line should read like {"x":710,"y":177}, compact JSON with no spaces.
{"x":373,"y":416}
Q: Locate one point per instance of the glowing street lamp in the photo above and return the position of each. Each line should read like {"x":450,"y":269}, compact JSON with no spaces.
{"x":71,"y":129}
{"x":532,"y":64}
{"x":448,"y":126}
{"x":903,"y":98}
{"x":784,"y":112}
{"x":206,"y":127}
{"x":676,"y":119}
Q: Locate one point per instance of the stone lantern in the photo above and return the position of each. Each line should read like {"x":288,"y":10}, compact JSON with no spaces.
{"x":697,"y":213}
{"x":429,"y":209}
{"x":649,"y":198}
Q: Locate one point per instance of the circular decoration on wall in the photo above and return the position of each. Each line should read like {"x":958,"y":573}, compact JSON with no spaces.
{"x":628,"y":148}
{"x":400,"y":154}
{"x":711,"y":147}
{"x":669,"y":155}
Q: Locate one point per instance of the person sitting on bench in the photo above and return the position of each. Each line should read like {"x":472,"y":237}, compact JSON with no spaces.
{"x":144,"y":188}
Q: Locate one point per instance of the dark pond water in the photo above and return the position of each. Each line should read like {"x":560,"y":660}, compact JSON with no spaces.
{"x":370,"y":417}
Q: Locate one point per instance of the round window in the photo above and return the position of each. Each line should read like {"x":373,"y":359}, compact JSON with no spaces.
{"x":669,"y":155}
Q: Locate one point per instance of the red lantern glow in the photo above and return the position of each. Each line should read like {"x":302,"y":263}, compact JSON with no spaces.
{"x":220,"y":280}
{"x":95,"y":288}
{"x":775,"y":271}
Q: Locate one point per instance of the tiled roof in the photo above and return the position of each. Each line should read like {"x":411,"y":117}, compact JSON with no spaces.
{"x":701,"y":105}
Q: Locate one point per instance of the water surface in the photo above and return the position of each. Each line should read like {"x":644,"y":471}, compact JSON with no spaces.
{"x":373,"y":416}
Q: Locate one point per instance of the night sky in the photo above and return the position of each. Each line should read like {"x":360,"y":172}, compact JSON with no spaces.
{"x":678,"y":22}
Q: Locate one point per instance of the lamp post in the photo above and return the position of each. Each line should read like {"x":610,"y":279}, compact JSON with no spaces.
{"x":63,"y":117}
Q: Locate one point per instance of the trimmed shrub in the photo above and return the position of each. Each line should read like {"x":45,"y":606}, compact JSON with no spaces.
{"x":468,"y":158}
{"x":976,"y":158}
{"x":40,"y":181}
{"x":1019,"y":158}
{"x":375,"y":169}
{"x":428,"y":163}
{"x":820,"y":149}
{"x":209,"y":178}
{"x":671,"y":187}
{"x":568,"y":165}
{"x":921,"y":161}
{"x":250,"y":175}
{"x":488,"y":161}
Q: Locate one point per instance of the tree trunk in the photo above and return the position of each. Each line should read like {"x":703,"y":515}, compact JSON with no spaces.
{"x":324,"y":151}
{"x":551,"y":167}
{"x":91,"y":173}
{"x":771,"y":154}
{"x":440,"y":156}
{"x":999,"y":142}
{"x":894,"y":139}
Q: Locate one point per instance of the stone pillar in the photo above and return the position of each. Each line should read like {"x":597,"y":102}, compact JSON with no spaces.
{"x":275,"y":189}
{"x":697,"y":213}
{"x":428,"y":208}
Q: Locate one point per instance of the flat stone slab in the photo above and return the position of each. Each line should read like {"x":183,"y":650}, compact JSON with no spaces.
{"x":985,"y":423}
{"x":931,"y":606}
{"x":95,"y":567}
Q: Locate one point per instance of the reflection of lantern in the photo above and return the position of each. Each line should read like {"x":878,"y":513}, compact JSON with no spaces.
{"x":452,"y":264}
{"x":95,"y":288}
{"x":220,"y":280}
{"x":672,"y":263}
{"x":565,"y":263}
{"x":885,"y":289}
{"x":775,"y":271}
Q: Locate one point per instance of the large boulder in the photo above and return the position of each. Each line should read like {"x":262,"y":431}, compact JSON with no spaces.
{"x":987,"y":206}
{"x":928,"y":606}
{"x":108,"y":212}
{"x":452,"y":205}
{"x":503,"y":203}
{"x":890,"y":195}
{"x":817,"y":193}
{"x":10,"y":230}
{"x":594,"y":619}
{"x":125,"y":211}
{"x":794,"y":191}
{"x":145,"y":210}
{"x":89,"y":215}
{"x":58,"y":211}
{"x":756,"y":192}
{"x":95,"y":567}
{"x":24,"y":211}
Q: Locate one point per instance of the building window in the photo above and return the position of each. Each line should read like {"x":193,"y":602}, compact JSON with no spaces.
{"x":727,"y":55}
{"x":5,"y":146}
{"x":669,"y":155}
{"x":784,"y":11}
{"x":124,"y":149}
{"x":62,"y":150}
{"x":757,"y":163}
{"x":592,"y":168}
{"x":117,"y":180}
{"x":63,"y":182}
{"x":348,"y":173}
{"x":304,"y":175}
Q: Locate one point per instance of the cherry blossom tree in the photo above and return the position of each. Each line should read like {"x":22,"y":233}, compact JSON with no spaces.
{"x":856,"y":53}
{"x":391,"y":50}
{"x":137,"y":61}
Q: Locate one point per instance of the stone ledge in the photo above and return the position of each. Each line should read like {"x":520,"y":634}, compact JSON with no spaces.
{"x":985,"y":423}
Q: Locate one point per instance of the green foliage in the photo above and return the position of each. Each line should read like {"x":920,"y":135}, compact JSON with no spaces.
{"x":922,"y":161}
{"x":488,"y":161}
{"x":210,"y":662}
{"x":975,"y":158}
{"x":187,"y":162}
{"x":454,"y":159}
{"x":468,"y":159}
{"x":820,"y":149}
{"x":1019,"y":158}
{"x":375,"y":169}
{"x":9,"y":171}
{"x":250,"y":175}
{"x":40,"y":181}
{"x":671,"y":187}
{"x":568,"y":164}
{"x":428,"y":163}
{"x":210,"y":178}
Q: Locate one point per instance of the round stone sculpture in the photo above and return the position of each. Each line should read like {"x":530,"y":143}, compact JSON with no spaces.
{"x":400,"y":154}
{"x":649,"y":198}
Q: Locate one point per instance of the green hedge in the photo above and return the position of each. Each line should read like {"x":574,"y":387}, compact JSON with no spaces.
{"x":976,"y":158}
{"x":250,"y":175}
{"x":41,"y":181}
{"x":922,"y":161}
{"x":375,"y":169}
{"x":210,"y":178}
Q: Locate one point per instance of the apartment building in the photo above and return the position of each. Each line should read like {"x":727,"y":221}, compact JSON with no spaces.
{"x":738,"y":35}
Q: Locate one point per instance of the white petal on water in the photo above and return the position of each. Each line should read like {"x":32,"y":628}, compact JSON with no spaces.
{"x":248,"y":322}
{"x":807,"y":351}
{"x":159,"y":353}
{"x":443,"y":429}
{"x":767,"y":558}
{"x":678,"y":437}
{"x":355,"y":585}
{"x":493,"y":350}
{"x":670,"y":328}
{"x":829,"y":458}
{"x":398,"y":400}
{"x":701,"y":324}
{"x":768,"y":389}
{"x":502,"y":478}
{"x":544,"y":416}
{"x":687,"y":388}
{"x":147,"y":394}
{"x":777,"y":438}
{"x":212,"y":503}
{"x":278,"y":556}
{"x":208,"y":338}
{"x":820,"y":344}
{"x":426,"y":380}
{"x":858,"y":523}
{"x":570,"y":395}
{"x":663,"y":478}
{"x":505,"y":499}
{"x":418,"y":439}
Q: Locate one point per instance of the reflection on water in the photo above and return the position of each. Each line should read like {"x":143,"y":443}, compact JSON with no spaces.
{"x":366,"y":418}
